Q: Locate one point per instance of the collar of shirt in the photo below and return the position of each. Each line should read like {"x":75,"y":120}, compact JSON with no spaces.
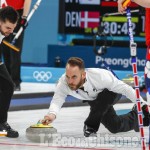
{"x":87,"y":86}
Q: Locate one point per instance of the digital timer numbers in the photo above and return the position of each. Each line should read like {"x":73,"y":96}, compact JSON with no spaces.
{"x":117,"y":25}
{"x":116,"y":28}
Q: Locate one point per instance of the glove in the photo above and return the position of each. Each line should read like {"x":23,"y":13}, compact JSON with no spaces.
{"x":145,"y":111}
{"x":146,"y":114}
{"x":23,"y":22}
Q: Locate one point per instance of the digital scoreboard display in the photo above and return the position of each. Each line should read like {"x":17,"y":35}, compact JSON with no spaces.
{"x":117,"y":25}
{"x":85,"y":17}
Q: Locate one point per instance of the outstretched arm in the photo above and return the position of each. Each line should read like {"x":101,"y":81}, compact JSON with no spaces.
{"x":26,"y":9}
{"x":143,"y":3}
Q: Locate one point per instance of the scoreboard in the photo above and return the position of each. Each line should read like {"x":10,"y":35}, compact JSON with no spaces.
{"x":117,"y":25}
{"x":85,"y":16}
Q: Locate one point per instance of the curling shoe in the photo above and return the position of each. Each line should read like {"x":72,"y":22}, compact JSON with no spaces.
{"x":5,"y":127}
{"x":89,"y":132}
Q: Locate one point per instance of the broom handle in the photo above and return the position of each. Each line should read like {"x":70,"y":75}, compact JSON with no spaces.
{"x":133,"y":52}
{"x":28,"y":18}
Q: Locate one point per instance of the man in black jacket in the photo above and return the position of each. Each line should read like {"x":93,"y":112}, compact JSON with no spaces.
{"x":8,"y":21}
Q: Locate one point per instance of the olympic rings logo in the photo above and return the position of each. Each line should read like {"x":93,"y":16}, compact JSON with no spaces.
{"x":42,"y":75}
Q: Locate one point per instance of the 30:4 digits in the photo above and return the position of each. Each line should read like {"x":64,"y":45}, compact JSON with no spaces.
{"x":117,"y":28}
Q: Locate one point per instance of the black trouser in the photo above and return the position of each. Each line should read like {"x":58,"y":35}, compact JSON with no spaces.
{"x":102,"y":111}
{"x":12,"y":59}
{"x":6,"y":92}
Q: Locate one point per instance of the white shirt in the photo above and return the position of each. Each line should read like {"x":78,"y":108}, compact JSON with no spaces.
{"x":96,"y":81}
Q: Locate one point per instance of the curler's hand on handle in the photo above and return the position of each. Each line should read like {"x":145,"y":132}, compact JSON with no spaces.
{"x":146,"y":113}
{"x":122,"y":5}
{"x":49,"y":118}
{"x":24,"y":22}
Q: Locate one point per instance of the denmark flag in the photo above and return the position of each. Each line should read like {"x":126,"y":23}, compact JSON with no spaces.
{"x":89,"y":19}
{"x":89,"y":2}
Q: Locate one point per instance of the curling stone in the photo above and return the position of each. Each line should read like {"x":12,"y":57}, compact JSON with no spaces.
{"x":40,"y":133}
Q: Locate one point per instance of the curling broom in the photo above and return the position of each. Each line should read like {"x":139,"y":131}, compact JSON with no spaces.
{"x":133,"y":51}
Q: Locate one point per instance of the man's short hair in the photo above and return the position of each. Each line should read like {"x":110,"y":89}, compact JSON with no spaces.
{"x":76,"y":61}
{"x":10,"y":14}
